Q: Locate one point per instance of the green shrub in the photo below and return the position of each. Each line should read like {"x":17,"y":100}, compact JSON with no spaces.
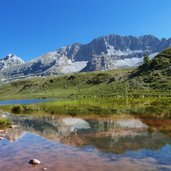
{"x":16,"y":109}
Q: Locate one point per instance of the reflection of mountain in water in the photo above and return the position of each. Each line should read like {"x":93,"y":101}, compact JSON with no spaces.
{"x":12,"y":134}
{"x":110,"y":135}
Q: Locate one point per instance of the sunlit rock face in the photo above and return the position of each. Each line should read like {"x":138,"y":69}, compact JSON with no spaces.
{"x":9,"y":61}
{"x":103,"y":53}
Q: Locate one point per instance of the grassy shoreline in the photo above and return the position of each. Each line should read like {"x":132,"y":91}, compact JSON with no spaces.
{"x":144,"y":91}
{"x":147,"y":107}
{"x":4,"y":122}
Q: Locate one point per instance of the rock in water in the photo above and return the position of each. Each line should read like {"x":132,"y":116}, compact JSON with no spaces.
{"x":34,"y":161}
{"x":13,"y":126}
{"x":1,"y":138}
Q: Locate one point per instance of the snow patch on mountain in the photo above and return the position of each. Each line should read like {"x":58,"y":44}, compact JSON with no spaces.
{"x":132,"y":62}
{"x":151,"y":56}
{"x":128,"y":62}
{"x":74,"y":67}
{"x":112,"y":51}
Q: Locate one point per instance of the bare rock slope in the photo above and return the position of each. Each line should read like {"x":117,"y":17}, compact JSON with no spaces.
{"x":107,"y":52}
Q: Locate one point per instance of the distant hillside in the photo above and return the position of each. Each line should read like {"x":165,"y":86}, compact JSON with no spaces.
{"x":162,"y":62}
{"x":154,"y":75}
{"x":99,"y":92}
{"x":155,"y":72}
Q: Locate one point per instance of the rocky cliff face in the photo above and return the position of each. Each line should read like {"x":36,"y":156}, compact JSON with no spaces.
{"x":107,"y":52}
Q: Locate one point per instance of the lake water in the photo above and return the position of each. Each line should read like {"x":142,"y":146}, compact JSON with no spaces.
{"x":23,"y":101}
{"x":86,"y":144}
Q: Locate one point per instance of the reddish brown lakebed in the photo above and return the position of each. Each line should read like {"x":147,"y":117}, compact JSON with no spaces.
{"x":77,"y":144}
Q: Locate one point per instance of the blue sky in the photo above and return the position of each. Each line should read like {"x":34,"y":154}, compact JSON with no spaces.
{"x":30,"y":28}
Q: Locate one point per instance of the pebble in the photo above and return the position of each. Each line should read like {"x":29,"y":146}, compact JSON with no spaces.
{"x":44,"y":168}
{"x":34,"y":161}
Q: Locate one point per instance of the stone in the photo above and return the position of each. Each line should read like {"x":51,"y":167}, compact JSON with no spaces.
{"x":5,"y":115}
{"x":1,"y":138}
{"x":13,"y":126}
{"x":44,"y":168}
{"x":34,"y":162}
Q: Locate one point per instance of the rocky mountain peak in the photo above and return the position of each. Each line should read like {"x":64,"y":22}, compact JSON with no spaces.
{"x":9,"y":61}
{"x":105,"y":52}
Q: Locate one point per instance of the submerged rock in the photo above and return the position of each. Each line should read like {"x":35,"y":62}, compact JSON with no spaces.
{"x":34,"y":161}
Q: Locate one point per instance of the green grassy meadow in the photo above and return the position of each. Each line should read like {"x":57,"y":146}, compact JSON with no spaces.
{"x":145,"y":91}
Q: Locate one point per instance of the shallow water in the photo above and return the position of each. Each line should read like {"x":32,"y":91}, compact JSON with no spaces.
{"x":23,"y":101}
{"x":78,"y":144}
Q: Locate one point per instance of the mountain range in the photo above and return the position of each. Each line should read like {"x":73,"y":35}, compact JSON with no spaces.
{"x":102,"y":53}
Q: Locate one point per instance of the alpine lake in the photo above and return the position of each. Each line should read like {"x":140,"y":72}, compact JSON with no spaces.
{"x":66,"y":143}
